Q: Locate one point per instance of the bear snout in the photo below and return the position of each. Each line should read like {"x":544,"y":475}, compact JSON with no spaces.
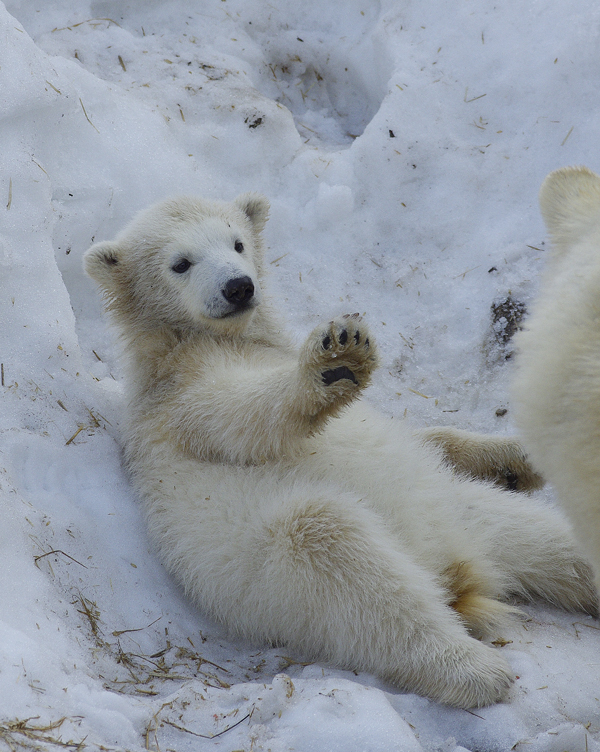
{"x":239,"y":291}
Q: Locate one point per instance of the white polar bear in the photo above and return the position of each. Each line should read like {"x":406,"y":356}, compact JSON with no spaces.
{"x":287,"y":508}
{"x":557,"y":385}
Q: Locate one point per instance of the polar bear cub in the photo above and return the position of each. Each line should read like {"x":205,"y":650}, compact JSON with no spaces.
{"x":557,"y":387}
{"x":287,"y":508}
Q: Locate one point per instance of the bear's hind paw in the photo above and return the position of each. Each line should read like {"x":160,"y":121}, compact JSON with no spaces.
{"x":481,"y":677}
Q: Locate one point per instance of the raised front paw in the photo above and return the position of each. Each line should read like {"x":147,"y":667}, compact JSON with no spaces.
{"x":340,"y":357}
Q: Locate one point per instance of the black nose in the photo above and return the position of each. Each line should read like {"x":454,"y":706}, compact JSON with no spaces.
{"x":239,"y":291}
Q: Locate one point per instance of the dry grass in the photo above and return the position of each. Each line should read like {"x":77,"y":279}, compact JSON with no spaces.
{"x":23,"y":734}
{"x":90,"y":428}
{"x":139,"y":674}
{"x":151,"y":733}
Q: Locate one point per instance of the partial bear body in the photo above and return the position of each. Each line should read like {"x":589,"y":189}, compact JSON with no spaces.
{"x":288,"y":509}
{"x":557,"y":386}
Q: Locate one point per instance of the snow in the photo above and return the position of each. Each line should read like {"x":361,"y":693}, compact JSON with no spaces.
{"x":402,"y":145}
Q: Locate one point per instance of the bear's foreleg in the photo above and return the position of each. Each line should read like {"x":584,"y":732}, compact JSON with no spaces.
{"x":495,"y":458}
{"x":336,"y":363}
{"x":249,"y":408}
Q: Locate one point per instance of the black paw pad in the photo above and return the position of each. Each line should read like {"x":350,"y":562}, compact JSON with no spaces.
{"x":343,"y":337}
{"x":336,"y":374}
{"x":512,"y":480}
{"x":326,"y":342}
{"x":357,"y":337}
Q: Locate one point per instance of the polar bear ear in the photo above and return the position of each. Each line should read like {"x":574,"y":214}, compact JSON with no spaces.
{"x":570,"y":204}
{"x":255,"y":207}
{"x":101,"y":261}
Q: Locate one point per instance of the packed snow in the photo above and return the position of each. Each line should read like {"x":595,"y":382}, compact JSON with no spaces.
{"x":401,"y":145}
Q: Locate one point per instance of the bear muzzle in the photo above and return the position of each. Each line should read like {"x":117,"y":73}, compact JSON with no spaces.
{"x":239,"y":292}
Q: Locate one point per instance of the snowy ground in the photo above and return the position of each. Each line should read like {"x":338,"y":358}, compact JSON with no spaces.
{"x":402,"y":145}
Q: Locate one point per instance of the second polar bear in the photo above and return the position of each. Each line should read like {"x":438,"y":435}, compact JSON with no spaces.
{"x":557,"y":387}
{"x":286,"y":507}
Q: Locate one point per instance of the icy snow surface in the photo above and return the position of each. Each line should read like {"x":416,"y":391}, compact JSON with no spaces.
{"x":402,"y":145}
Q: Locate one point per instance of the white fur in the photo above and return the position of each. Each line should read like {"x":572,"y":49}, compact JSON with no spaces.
{"x":557,"y":388}
{"x":288,"y":509}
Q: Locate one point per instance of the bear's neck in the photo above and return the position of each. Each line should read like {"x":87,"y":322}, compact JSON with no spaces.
{"x":143,"y":351}
{"x":146,"y":348}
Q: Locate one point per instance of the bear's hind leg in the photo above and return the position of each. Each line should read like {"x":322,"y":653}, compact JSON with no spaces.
{"x":530,"y":543}
{"x":472,"y":598}
{"x":330,"y":582}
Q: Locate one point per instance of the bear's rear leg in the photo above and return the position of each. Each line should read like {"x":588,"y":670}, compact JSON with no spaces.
{"x":335,"y":586}
{"x":473,"y":600}
{"x":531,"y":544}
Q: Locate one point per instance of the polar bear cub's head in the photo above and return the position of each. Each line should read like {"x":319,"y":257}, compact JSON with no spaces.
{"x":185,"y":263}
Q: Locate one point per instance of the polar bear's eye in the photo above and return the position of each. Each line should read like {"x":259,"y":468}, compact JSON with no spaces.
{"x":239,"y":246}
{"x":181,"y":266}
